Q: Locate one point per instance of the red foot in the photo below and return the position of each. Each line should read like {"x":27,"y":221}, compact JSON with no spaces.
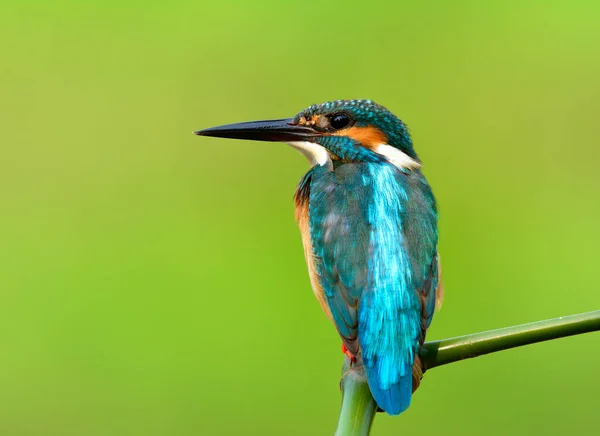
{"x":347,"y":352}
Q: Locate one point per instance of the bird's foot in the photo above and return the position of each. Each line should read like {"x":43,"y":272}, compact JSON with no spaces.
{"x":347,"y":352}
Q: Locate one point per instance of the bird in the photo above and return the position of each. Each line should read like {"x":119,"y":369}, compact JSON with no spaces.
{"x":369,"y":226}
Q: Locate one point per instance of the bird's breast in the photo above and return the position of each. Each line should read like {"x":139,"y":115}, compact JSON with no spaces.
{"x":302,"y":200}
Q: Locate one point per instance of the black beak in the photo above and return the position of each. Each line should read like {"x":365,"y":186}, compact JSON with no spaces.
{"x":271,"y":130}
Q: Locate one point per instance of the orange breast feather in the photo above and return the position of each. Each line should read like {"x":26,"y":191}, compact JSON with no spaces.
{"x":303,"y":224}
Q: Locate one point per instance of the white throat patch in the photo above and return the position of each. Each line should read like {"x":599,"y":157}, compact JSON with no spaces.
{"x":315,"y":153}
{"x":396,"y":157}
{"x":318,"y":155}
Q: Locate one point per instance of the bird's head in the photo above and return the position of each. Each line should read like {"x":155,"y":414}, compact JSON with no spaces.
{"x":341,"y":130}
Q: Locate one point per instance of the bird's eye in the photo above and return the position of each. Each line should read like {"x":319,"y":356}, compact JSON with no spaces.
{"x":339,"y":121}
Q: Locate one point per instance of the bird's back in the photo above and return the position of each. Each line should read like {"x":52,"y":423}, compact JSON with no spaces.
{"x":371,"y":246}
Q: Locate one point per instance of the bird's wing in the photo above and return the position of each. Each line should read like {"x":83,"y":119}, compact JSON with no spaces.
{"x":340,"y":234}
{"x":420,"y":235}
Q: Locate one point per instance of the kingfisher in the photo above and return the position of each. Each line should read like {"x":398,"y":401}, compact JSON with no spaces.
{"x":368,"y":220}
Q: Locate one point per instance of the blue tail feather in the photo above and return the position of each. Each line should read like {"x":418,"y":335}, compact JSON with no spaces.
{"x":396,"y":397}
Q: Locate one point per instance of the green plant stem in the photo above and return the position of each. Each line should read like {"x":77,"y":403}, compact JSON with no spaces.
{"x":446,"y":351}
{"x":359,"y":408}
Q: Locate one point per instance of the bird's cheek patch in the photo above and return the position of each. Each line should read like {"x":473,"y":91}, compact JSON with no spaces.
{"x":368,"y":136}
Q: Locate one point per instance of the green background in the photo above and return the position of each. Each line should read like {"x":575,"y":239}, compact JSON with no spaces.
{"x":153,"y":282}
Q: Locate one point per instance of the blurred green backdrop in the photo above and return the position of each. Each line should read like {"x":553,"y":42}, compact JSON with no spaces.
{"x":153,"y":282}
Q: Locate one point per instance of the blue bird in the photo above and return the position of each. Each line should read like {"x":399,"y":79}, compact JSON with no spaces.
{"x":368,"y":220}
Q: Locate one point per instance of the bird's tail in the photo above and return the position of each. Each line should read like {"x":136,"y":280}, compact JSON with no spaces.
{"x":393,"y":397}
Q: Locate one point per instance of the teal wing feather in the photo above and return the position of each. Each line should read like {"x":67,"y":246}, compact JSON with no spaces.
{"x":374,"y":235}
{"x":421,"y":234}
{"x":340,"y":237}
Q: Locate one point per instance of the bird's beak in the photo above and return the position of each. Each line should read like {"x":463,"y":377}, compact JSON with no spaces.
{"x":270,"y":130}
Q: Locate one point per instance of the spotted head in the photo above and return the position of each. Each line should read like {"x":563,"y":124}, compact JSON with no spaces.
{"x":341,"y":130}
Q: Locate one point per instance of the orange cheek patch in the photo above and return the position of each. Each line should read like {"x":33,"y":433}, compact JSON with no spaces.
{"x":368,"y":136}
